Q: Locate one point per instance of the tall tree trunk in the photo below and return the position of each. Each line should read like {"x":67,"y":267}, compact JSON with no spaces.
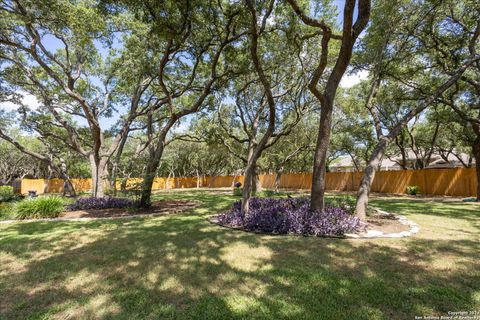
{"x":46,"y":182}
{"x":114,"y":176}
{"x":68,"y":187}
{"x":150,"y":173}
{"x":256,"y":149}
{"x":248,"y":179}
{"x":165,"y":186}
{"x":67,"y":183}
{"x":116,"y":164}
{"x":97,"y":167}
{"x":248,"y":185}
{"x":476,"y":155}
{"x":278,"y":177}
{"x":351,"y":31}
{"x":320,"y":158}
{"x":256,"y":183}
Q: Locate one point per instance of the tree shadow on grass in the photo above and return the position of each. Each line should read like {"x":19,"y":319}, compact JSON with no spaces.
{"x":182,"y":267}
{"x":456,"y":210}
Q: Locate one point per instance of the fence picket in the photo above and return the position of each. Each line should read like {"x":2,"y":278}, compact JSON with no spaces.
{"x":448,"y":182}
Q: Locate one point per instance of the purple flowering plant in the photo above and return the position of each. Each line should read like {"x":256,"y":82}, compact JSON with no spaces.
{"x":101,"y":203}
{"x":290,"y":216}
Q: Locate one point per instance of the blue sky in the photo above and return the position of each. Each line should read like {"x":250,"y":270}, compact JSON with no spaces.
{"x":54,"y":44}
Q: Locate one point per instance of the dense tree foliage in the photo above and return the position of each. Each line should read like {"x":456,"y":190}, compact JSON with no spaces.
{"x":194,"y":88}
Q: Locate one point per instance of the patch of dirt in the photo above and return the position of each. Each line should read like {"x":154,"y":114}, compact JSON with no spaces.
{"x":158,"y":208}
{"x":386,"y":224}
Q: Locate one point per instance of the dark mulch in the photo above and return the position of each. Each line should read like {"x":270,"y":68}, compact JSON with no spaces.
{"x":157,"y":208}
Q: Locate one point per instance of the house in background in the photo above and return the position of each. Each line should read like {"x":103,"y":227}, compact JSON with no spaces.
{"x":437,"y":161}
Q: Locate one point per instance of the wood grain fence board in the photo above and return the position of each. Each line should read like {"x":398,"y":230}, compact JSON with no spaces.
{"x":448,"y":182}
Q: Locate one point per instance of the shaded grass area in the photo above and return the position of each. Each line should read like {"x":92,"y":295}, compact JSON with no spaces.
{"x":182,"y":267}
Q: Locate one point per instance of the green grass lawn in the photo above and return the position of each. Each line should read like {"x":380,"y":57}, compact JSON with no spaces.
{"x":182,"y":267}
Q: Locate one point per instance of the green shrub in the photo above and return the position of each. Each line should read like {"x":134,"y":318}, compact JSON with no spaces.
{"x":413,"y":190}
{"x":42,"y":207}
{"x":345,"y":202}
{"x":269,"y":193}
{"x":6,"y":193}
{"x":7,"y":211}
{"x":108,"y":191}
{"x":237,"y":191}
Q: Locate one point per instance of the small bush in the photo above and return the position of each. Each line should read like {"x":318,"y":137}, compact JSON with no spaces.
{"x":268,"y":193}
{"x":108,"y":191}
{"x":42,"y":207}
{"x":289,"y":216}
{"x":237,"y":191}
{"x":7,"y":211}
{"x":345,"y":202}
{"x":101,"y":203}
{"x":6,"y":193}
{"x":413,"y":190}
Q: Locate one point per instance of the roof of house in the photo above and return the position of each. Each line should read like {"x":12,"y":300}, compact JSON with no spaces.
{"x":436,"y":161}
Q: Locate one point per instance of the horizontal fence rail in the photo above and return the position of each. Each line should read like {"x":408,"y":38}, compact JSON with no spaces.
{"x":443,"y":182}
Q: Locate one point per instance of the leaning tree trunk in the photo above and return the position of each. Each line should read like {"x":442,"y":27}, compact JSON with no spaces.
{"x":367,"y":178}
{"x":369,"y":173}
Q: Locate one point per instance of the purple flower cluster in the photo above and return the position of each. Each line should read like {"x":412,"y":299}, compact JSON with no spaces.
{"x":101,"y":203}
{"x":289,"y":216}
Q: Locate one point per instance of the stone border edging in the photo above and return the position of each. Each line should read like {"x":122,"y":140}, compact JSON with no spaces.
{"x":371,"y":234}
{"x":414,"y":228}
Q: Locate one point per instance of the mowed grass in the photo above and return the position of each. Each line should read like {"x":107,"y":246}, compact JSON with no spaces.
{"x":182,"y":267}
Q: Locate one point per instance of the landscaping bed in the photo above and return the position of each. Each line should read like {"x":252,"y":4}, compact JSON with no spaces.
{"x":157,"y":207}
{"x":385,"y":223}
{"x":293,"y":216}
{"x":55,"y":207}
{"x":290,"y":216}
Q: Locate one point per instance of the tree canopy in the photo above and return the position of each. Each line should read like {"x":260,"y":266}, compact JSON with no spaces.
{"x":194,"y":88}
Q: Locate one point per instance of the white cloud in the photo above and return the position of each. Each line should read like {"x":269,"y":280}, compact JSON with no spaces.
{"x":349,"y":80}
{"x":28,"y":99}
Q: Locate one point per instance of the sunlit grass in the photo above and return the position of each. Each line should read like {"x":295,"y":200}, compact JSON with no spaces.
{"x":182,"y":267}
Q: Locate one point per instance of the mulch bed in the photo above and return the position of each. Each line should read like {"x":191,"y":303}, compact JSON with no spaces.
{"x":385,"y":223}
{"x":158,"y":208}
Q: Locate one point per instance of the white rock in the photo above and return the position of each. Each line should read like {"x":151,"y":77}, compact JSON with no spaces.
{"x":352,"y":235}
{"x":374,"y":233}
{"x":415,"y":229}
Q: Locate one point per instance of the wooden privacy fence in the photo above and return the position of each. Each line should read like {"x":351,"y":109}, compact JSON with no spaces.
{"x":448,"y":182}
